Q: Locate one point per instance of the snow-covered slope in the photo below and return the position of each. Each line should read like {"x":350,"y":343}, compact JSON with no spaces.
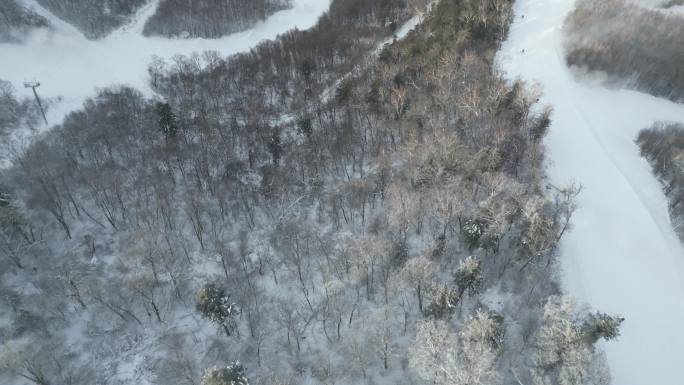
{"x":70,"y":66}
{"x":622,"y":255}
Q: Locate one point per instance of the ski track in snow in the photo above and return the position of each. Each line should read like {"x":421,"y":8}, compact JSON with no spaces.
{"x":71,"y":68}
{"x":622,"y":255}
{"x":399,"y":35}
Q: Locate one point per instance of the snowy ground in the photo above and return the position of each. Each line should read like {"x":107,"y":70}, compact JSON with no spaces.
{"x":71,"y":67}
{"x":622,"y":255}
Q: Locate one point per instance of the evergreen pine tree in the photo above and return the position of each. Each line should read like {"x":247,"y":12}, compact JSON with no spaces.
{"x":167,"y":120}
{"x":275,"y":147}
{"x":468,"y":276}
{"x":233,"y":374}
{"x":213,"y":303}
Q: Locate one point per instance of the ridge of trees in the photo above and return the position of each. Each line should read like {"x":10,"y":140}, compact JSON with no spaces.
{"x":643,"y":48}
{"x":663,"y":146}
{"x":95,"y":18}
{"x":16,"y":21}
{"x":209,"y":18}
{"x":672,"y":3}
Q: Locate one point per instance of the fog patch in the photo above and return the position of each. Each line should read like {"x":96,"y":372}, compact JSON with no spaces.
{"x":633,"y":46}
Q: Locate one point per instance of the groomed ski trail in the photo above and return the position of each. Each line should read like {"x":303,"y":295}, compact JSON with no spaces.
{"x":622,"y":255}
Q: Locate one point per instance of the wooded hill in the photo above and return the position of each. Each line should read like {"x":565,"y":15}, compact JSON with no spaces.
{"x":318,"y":209}
{"x":16,"y":21}
{"x":642,"y":48}
{"x":663,"y":146}
{"x":210,"y":18}
{"x":95,"y":18}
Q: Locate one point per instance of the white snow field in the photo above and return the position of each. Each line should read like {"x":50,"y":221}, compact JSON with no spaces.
{"x":622,"y":255}
{"x":70,"y":66}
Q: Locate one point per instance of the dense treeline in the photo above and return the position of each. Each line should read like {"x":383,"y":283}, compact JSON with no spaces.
{"x":642,"y":47}
{"x":663,"y":146}
{"x":13,"y":112}
{"x":210,"y":18}
{"x":95,"y":18}
{"x":672,"y":3}
{"x":16,"y":21}
{"x":279,"y":77}
{"x":317,"y":214}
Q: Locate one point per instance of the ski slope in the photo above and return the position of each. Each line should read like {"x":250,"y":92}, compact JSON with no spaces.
{"x":622,"y":255}
{"x":72,"y":67}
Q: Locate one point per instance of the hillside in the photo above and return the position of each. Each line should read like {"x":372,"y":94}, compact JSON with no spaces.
{"x":636,"y":47}
{"x":209,"y":18}
{"x":95,"y":19}
{"x":663,"y":146}
{"x":359,"y":202}
{"x":16,"y":21}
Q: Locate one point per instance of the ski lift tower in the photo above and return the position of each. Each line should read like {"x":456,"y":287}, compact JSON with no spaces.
{"x":33,"y":86}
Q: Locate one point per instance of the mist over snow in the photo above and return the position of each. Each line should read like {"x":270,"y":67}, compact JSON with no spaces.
{"x":71,"y":67}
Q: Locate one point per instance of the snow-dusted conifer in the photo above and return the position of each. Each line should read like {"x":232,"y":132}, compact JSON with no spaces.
{"x":443,"y":301}
{"x":468,"y":276}
{"x":167,"y":120}
{"x":565,"y":344}
{"x":214,"y":304}
{"x":233,"y":374}
{"x":601,"y":325}
{"x":472,"y":232}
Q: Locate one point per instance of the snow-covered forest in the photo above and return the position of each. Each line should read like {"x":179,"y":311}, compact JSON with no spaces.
{"x":210,"y":18}
{"x":403,"y":192}
{"x":637,"y":46}
{"x":71,"y":67}
{"x":16,"y":21}
{"x":95,"y":18}
{"x":15,"y":113}
{"x":663,"y":146}
{"x":173,"y":18}
{"x":249,"y":214}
